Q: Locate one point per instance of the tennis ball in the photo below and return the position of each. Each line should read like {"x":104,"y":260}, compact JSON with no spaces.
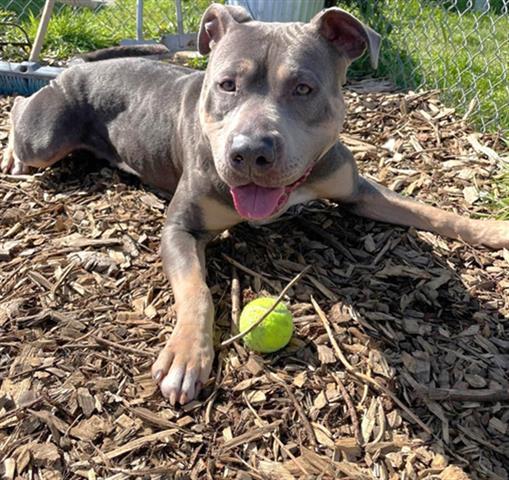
{"x":273,"y":333}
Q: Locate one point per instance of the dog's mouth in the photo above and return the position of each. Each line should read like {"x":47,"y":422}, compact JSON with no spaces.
{"x":255,"y":202}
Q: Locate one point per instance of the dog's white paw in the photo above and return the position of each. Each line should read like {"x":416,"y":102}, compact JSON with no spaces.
{"x":10,"y":164}
{"x":492,"y":233}
{"x":7,"y":160}
{"x":498,"y":234}
{"x":184,"y":364}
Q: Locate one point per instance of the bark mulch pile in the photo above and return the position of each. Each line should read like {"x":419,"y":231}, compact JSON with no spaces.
{"x":398,"y":368}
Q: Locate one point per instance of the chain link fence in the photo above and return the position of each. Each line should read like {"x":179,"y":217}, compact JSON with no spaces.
{"x":83,"y":25}
{"x":458,"y":46}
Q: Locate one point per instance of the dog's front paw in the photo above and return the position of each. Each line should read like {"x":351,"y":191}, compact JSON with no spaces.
{"x":498,"y":234}
{"x":10,"y":164}
{"x":7,"y":161}
{"x":184,"y":364}
{"x":492,"y":233}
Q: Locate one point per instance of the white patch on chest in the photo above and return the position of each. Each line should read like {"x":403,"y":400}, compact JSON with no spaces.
{"x":301,"y":195}
{"x":339,"y":185}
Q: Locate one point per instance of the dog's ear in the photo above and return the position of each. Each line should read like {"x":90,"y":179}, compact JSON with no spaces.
{"x":216,"y":20}
{"x":348,"y":35}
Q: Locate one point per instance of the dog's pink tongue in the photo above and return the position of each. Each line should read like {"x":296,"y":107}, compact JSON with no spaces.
{"x":255,"y":202}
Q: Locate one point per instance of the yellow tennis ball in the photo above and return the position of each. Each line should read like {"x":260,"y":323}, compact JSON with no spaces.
{"x":273,"y":333}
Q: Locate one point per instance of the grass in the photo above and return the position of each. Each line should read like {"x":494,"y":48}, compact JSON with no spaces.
{"x":73,"y":31}
{"x":498,"y":198}
{"x":464,"y":54}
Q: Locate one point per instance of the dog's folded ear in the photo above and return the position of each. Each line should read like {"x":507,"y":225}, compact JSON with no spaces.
{"x":348,"y":34}
{"x":216,"y":20}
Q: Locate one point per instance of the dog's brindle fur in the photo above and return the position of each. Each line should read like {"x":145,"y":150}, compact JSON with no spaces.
{"x":174,"y":127}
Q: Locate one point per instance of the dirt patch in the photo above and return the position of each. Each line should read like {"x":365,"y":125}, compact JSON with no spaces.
{"x":420,"y":320}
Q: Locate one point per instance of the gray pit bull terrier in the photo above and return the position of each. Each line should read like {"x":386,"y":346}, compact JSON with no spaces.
{"x":254,"y":134}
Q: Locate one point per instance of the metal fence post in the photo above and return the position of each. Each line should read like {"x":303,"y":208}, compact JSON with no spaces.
{"x":139,"y":20}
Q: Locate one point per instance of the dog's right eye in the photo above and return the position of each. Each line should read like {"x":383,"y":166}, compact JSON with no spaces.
{"x":228,"y":85}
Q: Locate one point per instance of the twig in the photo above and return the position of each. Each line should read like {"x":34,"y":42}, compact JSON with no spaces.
{"x":335,"y":345}
{"x":145,"y":472}
{"x":249,"y":271}
{"x":269,"y":311}
{"x":251,"y":435}
{"x":67,"y":270}
{"x":351,"y":409}
{"x":300,"y":411}
{"x":19,"y":409}
{"x":111,"y":344}
{"x":209,"y":402}
{"x":468,"y":395}
{"x":294,"y":459}
{"x":163,"y":436}
{"x":235,"y":301}
{"x":84,"y":242}
{"x":259,"y":421}
{"x":328,"y":238}
{"x":476,"y":438}
{"x":364,"y":378}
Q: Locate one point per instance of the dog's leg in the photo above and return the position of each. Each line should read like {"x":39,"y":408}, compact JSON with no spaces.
{"x":379,"y":203}
{"x":186,"y":360}
{"x":44,"y":129}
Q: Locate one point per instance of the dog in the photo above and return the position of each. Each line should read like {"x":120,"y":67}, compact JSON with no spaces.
{"x":254,"y":134}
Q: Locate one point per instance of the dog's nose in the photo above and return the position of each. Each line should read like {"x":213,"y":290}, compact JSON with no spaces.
{"x":256,"y":152}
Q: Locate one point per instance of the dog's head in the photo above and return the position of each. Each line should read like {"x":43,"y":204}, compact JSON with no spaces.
{"x":271,"y":103}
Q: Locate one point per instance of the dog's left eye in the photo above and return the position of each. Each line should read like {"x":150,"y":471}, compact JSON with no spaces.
{"x":228,"y":85}
{"x":303,"y":89}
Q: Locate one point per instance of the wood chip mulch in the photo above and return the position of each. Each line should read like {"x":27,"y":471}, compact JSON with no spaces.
{"x":398,"y":368}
